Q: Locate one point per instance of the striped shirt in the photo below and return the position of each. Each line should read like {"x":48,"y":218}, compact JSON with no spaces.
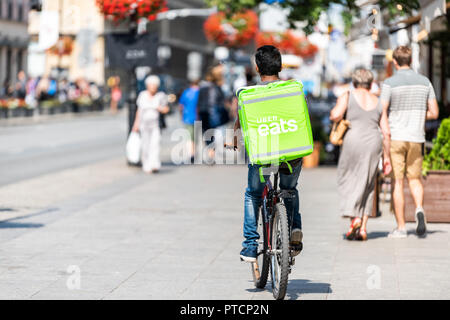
{"x":407,"y":93}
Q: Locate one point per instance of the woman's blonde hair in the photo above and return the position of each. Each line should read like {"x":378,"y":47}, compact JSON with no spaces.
{"x":362,"y":78}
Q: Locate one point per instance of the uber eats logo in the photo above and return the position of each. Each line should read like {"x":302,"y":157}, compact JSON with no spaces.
{"x":275,"y":126}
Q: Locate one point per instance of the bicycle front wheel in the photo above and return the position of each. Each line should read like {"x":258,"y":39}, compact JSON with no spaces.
{"x":280,"y":252}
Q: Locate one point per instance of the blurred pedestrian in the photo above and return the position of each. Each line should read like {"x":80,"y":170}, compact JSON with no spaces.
{"x":188,"y":106}
{"x":361,"y":151}
{"x":409,"y":99}
{"x":42,"y":89}
{"x":150,"y":103}
{"x":116,"y":94}
{"x":218,"y":112}
{"x":20,"y":88}
{"x":205,"y":97}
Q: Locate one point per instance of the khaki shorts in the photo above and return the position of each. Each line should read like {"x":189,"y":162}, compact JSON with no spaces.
{"x":190,"y":129}
{"x":406,"y":157}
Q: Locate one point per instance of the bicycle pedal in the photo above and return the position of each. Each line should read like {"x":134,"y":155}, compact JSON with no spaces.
{"x":296,"y":247}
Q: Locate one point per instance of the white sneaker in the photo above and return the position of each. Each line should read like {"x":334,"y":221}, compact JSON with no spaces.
{"x":398,"y":233}
{"x":421,"y":222}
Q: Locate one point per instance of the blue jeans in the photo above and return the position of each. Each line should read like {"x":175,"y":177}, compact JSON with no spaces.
{"x":253,"y":200}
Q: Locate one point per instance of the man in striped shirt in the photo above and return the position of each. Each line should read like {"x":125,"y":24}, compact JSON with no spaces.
{"x":408,"y":98}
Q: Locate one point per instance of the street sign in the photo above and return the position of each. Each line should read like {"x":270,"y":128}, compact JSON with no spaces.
{"x":128,"y":51}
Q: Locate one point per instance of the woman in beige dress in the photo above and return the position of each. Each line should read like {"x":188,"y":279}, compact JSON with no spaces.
{"x":361,"y":151}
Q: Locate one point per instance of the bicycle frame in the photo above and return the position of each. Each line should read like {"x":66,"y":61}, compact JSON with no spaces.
{"x":270,"y":197}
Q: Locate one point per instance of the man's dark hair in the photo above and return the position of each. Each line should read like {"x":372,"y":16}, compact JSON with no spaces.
{"x":268,"y":60}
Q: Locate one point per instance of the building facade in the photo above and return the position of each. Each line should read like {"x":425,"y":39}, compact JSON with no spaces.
{"x":13,"y":39}
{"x":79,"y":27}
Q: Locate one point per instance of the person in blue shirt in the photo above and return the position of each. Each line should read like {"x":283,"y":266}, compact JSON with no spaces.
{"x":188,"y":104}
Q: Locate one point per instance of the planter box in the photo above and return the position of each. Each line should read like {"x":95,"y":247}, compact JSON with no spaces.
{"x":29,"y":112}
{"x":3,"y":113}
{"x":46,"y":110}
{"x":436,"y":198}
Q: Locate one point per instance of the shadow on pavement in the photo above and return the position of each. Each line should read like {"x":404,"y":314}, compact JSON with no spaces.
{"x":9,"y":224}
{"x":297,"y":287}
{"x":16,"y":225}
{"x":377,"y":234}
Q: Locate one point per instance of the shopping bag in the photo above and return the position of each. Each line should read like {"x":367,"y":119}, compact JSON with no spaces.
{"x":275,"y":122}
{"x":133,"y":148}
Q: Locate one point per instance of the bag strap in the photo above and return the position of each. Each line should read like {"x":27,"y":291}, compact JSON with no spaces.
{"x":348,"y":99}
{"x":261,"y":175}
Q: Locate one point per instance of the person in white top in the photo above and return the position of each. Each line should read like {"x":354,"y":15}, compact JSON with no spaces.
{"x":150,"y":103}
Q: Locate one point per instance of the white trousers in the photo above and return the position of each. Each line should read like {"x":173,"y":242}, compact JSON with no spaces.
{"x":151,"y":139}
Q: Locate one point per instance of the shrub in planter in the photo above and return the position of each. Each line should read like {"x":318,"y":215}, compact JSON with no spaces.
{"x":439,"y":157}
{"x":436,"y":169}
{"x":3,"y":109}
{"x":47,"y":106}
{"x":84,"y":103}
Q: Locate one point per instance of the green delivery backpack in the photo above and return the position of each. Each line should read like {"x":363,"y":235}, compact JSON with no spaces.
{"x":275,"y":122}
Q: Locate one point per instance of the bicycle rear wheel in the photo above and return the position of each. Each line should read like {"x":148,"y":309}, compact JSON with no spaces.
{"x":280,"y":252}
{"x":261,"y":267}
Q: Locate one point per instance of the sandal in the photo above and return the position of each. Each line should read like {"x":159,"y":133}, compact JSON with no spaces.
{"x":362,"y":235}
{"x":355,"y":226}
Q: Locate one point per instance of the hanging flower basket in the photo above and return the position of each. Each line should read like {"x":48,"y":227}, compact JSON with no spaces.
{"x":63,"y":46}
{"x":119,"y":10}
{"x":288,"y":42}
{"x":236,"y":31}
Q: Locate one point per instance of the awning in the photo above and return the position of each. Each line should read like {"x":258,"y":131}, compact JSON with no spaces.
{"x":430,"y":10}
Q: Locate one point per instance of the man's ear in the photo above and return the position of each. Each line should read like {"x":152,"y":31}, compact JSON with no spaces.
{"x":396,"y":66}
{"x":256,"y":68}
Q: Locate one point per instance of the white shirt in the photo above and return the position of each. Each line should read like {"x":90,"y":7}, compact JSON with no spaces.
{"x":148,"y":107}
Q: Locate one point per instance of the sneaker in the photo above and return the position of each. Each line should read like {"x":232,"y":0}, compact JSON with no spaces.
{"x":421,"y":222}
{"x":296,"y":237}
{"x":398,"y":233}
{"x":296,"y":242}
{"x":248,"y":254}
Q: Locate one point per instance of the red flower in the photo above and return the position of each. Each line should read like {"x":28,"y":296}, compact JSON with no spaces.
{"x":123,"y":9}
{"x":237,"y":31}
{"x":287,"y":42}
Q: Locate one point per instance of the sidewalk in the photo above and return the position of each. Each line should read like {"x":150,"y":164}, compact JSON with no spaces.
{"x":45,"y":118}
{"x":177,"y":235}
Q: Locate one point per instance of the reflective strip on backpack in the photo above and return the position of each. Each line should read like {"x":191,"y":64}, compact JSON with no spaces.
{"x":262,"y":155}
{"x":284,"y":95}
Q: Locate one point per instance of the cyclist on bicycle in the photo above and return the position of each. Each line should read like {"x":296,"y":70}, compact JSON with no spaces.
{"x":268,"y":65}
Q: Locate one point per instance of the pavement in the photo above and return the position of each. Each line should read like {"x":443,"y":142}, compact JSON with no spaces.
{"x":79,"y":223}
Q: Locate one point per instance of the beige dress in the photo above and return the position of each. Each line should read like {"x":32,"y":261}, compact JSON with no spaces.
{"x":359,"y":159}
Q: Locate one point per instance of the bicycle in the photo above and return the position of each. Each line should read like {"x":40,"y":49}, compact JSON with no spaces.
{"x":275,"y":227}
{"x":274,"y":250}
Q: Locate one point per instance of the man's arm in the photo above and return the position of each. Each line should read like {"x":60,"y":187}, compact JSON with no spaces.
{"x":433,"y":109}
{"x":384,"y":125}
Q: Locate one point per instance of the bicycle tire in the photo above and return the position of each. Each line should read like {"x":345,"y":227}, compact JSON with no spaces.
{"x":263,"y":264}
{"x":280,"y":242}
